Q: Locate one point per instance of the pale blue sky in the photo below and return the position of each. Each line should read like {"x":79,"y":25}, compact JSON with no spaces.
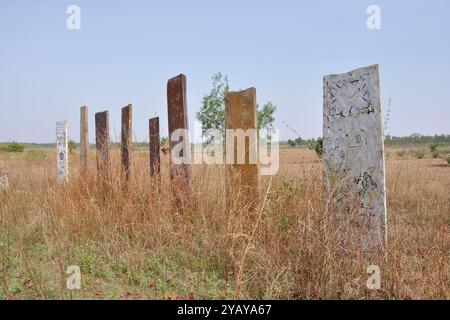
{"x":127,"y":50}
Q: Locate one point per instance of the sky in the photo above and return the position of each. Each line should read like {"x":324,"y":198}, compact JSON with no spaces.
{"x":126,"y":51}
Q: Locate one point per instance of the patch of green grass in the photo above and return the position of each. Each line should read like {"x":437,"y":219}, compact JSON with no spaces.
{"x":401,"y":153}
{"x":420,"y":154}
{"x":35,"y":154}
{"x":13,"y":147}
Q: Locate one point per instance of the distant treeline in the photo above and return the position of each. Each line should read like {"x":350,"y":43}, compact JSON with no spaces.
{"x":418,"y":139}
{"x":414,"y":139}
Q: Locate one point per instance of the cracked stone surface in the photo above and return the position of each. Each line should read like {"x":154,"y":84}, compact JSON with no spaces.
{"x":353,"y":145}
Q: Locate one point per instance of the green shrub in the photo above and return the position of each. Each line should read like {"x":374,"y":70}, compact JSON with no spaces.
{"x":317,"y":146}
{"x":13,"y":147}
{"x":401,"y":153}
{"x":434,"y":148}
{"x":448,"y":160}
{"x":420,"y":154}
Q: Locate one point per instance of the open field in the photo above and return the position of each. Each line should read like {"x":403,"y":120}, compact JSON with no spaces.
{"x":135,"y":248}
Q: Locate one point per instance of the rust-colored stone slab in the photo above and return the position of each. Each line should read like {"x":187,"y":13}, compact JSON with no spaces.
{"x":127,"y":143}
{"x":242,"y":153}
{"x":155,"y":160}
{"x":84,"y":140}
{"x":178,"y":119}
{"x":102,"y":145}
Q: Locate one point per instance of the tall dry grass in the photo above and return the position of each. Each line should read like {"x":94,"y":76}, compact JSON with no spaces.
{"x":132,"y":245}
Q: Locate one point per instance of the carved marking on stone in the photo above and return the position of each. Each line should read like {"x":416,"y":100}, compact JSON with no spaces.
{"x":353,"y":144}
{"x":62,"y":151}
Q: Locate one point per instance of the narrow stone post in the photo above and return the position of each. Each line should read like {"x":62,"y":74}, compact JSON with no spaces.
{"x":127,"y":144}
{"x":62,"y":151}
{"x":84,"y":140}
{"x":354,"y":152}
{"x":242,"y":147}
{"x":154,"y":145}
{"x":102,"y":146}
{"x":180,"y":149}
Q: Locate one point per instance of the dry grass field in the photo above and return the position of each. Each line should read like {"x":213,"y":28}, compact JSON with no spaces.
{"x":135,"y":247}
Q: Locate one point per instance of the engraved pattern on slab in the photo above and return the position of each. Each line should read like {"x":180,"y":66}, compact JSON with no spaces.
{"x":353,"y":142}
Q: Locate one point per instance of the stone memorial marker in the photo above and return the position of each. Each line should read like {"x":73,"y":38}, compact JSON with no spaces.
{"x":102,"y":145}
{"x":84,"y":140}
{"x":127,"y":143}
{"x":62,"y":151}
{"x":180,"y":173}
{"x":241,"y":118}
{"x":155,"y":160}
{"x":354,"y":148}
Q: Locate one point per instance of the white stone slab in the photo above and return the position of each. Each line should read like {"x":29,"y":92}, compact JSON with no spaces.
{"x":353,"y":145}
{"x":62,"y":154}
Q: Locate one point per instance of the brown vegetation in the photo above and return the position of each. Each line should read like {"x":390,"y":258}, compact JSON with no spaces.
{"x":134,"y":246}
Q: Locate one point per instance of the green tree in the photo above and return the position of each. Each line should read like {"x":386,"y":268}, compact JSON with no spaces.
{"x":14,"y":147}
{"x":316,"y":145}
{"x":212,"y":112}
{"x":292,"y":143}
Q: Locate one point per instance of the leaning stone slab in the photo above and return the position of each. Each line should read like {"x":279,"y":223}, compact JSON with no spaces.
{"x":354,"y":148}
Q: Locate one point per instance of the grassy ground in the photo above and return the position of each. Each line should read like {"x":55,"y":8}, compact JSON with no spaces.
{"x":135,"y":247}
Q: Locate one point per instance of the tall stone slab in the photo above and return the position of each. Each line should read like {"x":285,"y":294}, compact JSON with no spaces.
{"x":127,"y":143}
{"x":242,"y":146}
{"x":102,"y":146}
{"x":155,"y":160}
{"x":84,"y":140}
{"x":180,"y":149}
{"x":354,"y":148}
{"x":62,"y":151}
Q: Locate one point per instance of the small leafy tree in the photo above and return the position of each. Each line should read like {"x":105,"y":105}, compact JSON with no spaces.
{"x":15,"y":147}
{"x":317,"y":146}
{"x":434,"y":148}
{"x":292,"y":143}
{"x":212,"y":112}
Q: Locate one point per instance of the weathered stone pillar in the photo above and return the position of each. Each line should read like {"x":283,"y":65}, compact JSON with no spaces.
{"x":62,"y":151}
{"x":180,"y":149}
{"x":127,"y":144}
{"x":242,"y":146}
{"x":102,"y":146}
{"x":354,"y":150}
{"x":84,"y":140}
{"x":154,"y":145}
